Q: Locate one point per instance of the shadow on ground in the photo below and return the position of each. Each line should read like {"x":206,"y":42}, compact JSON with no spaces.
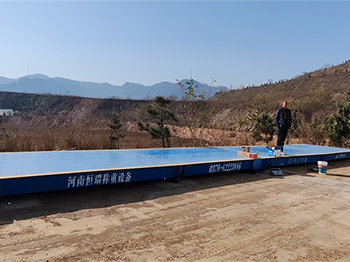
{"x":27,"y":206}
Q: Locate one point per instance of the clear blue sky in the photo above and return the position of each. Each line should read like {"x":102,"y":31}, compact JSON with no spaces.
{"x":236,"y":43}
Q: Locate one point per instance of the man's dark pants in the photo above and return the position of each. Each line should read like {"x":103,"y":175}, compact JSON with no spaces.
{"x":281,"y":136}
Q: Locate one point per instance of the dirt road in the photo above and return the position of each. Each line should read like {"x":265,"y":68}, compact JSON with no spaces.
{"x":300,"y":216}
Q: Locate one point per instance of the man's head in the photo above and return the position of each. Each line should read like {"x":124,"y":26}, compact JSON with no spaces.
{"x":285,"y":104}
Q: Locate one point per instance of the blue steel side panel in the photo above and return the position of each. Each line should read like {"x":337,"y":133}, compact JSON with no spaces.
{"x":33,"y":184}
{"x":32,"y":172}
{"x":338,"y":156}
{"x":305,"y":159}
{"x":294,"y":160}
{"x":218,"y":167}
{"x":303,"y":149}
{"x":257,"y":164}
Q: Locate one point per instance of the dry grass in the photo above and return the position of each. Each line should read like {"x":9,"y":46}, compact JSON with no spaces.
{"x":30,"y":138}
{"x":48,"y":122}
{"x":47,"y":139}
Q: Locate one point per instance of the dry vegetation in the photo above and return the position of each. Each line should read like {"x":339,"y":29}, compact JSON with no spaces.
{"x":50,"y":122}
{"x":30,"y":138}
{"x":311,"y":93}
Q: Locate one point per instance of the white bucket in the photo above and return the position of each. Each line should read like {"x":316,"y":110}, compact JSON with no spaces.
{"x":322,"y":167}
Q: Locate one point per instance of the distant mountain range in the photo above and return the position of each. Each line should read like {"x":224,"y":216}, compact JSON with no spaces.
{"x":42,"y":84}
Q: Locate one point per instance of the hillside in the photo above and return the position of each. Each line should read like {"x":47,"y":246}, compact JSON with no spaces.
{"x":312,"y":93}
{"x":82,"y":123}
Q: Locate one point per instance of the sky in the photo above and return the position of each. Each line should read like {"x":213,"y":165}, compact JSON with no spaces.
{"x":220,"y":43}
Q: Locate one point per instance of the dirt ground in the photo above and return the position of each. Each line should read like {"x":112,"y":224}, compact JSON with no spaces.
{"x":299,"y":216}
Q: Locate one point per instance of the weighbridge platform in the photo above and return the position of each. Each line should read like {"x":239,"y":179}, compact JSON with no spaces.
{"x":31,"y":172}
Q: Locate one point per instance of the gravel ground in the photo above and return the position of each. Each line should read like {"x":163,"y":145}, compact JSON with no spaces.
{"x":299,"y":216}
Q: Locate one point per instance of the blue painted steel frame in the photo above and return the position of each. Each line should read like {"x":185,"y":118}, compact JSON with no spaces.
{"x":217,"y":167}
{"x":40,"y":183}
{"x":304,"y":158}
{"x":32,"y":172}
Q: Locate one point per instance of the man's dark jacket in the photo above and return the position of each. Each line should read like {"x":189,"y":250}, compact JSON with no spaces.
{"x":283,"y":118}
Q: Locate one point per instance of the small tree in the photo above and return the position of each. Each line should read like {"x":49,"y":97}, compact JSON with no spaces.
{"x":337,"y":125}
{"x":311,"y":131}
{"x":2,"y":135}
{"x":159,"y":112}
{"x":190,"y":90}
{"x":8,"y":139}
{"x":195,"y":111}
{"x":260,"y":125}
{"x":264,"y":125}
{"x":115,"y":124}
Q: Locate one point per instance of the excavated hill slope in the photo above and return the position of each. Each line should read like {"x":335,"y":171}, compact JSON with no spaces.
{"x":313,"y":93}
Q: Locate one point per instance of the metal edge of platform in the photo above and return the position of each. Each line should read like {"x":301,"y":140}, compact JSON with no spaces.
{"x":126,"y":168}
{"x":306,"y":158}
{"x":16,"y":185}
{"x":50,"y":182}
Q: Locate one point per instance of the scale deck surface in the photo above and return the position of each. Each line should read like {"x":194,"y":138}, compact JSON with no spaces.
{"x":30,"y":172}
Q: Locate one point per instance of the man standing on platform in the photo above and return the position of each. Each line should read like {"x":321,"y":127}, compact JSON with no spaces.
{"x":284,"y":122}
